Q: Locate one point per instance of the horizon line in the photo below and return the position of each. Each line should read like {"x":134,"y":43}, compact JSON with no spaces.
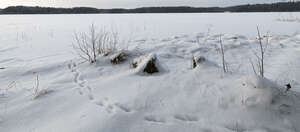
{"x":151,"y":6}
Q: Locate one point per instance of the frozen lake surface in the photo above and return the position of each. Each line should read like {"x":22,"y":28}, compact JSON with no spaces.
{"x":55,"y":32}
{"x":154,"y":25}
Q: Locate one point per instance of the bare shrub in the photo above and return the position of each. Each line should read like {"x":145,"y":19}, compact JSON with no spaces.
{"x":86,"y":45}
{"x":89,"y":45}
{"x":258,"y":66}
{"x":107,"y":42}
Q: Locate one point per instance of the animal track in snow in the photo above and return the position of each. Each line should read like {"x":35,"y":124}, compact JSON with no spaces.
{"x":155,"y":119}
{"x":91,"y":97}
{"x":181,"y":117}
{"x":85,"y":89}
{"x":123,"y":107}
{"x":111,"y":107}
{"x":76,"y":76}
{"x":185,"y":117}
{"x":81,"y":83}
{"x":80,"y":92}
{"x":100,"y":103}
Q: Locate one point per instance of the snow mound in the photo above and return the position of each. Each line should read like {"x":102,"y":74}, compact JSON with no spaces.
{"x":258,"y":91}
{"x":202,"y":62}
{"x":147,"y":64}
{"x":264,"y":93}
{"x":198,"y":60}
{"x":119,"y":57}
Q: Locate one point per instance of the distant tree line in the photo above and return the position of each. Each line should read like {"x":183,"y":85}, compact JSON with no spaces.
{"x":47,"y":10}
{"x":274,"y":7}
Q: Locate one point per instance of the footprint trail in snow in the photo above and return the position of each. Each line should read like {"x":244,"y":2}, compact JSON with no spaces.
{"x":82,"y":84}
{"x":112,"y":107}
{"x":85,"y":89}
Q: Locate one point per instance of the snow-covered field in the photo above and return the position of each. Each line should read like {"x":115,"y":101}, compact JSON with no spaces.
{"x":101,"y":97}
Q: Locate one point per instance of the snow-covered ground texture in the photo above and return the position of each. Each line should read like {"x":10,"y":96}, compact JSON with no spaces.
{"x":46,"y":87}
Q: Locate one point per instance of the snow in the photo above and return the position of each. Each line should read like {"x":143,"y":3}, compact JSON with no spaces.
{"x":142,"y":62}
{"x":76,"y":96}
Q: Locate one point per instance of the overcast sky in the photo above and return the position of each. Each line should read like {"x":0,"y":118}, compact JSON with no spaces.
{"x":128,"y":3}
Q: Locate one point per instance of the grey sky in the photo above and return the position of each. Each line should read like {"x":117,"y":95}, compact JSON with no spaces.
{"x":127,"y":3}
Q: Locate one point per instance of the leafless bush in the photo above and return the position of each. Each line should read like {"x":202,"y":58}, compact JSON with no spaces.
{"x":86,"y":45}
{"x":89,"y":45}
{"x":107,"y":41}
{"x":258,"y":66}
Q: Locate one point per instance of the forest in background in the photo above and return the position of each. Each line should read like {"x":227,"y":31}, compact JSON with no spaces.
{"x":273,"y":7}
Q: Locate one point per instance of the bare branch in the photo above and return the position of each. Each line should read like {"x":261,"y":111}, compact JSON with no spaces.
{"x":262,"y":49}
{"x":223,"y":54}
{"x":253,"y":68}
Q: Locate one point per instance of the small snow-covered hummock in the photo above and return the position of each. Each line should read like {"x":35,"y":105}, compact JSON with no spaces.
{"x":262,"y":92}
{"x":202,"y":62}
{"x":119,"y":57}
{"x":257,"y":90}
{"x":147,"y":64}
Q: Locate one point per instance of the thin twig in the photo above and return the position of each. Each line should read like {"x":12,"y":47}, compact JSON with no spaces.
{"x":223,"y":55}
